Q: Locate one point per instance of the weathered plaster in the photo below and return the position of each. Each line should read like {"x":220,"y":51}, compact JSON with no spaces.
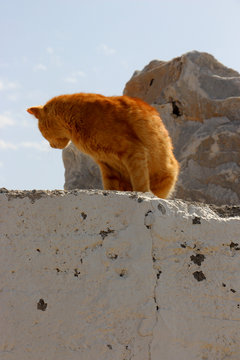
{"x":106,"y":275}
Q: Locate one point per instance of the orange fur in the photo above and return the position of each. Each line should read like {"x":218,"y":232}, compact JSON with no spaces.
{"x":124,"y":135}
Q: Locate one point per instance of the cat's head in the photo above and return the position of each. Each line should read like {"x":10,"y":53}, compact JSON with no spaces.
{"x":50,"y":127}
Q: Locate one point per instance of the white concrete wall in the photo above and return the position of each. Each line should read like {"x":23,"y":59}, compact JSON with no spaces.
{"x":99,"y":276}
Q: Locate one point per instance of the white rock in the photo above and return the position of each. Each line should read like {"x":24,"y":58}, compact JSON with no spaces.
{"x":143,"y":279}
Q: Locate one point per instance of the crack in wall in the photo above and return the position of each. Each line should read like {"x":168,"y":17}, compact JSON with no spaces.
{"x":149,"y":225}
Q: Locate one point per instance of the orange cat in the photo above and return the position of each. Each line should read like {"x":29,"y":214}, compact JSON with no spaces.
{"x":124,"y":135}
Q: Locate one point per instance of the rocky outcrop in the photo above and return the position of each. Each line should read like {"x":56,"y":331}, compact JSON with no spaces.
{"x":105,"y":275}
{"x":198,"y":99}
{"x":196,"y":85}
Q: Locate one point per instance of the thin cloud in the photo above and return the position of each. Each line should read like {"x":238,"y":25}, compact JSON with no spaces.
{"x":74,"y":77}
{"x":5,"y":121}
{"x":13,"y":97}
{"x":124,"y":64}
{"x":40,"y":67}
{"x":71,"y":80}
{"x":54,"y":58}
{"x":42,"y":146}
{"x":4,"y":65}
{"x":49,"y":50}
{"x":12,"y":85}
{"x":8,"y":85}
{"x":4,"y":145}
{"x":80,"y":73}
{"x":28,"y":124}
{"x":107,"y":50}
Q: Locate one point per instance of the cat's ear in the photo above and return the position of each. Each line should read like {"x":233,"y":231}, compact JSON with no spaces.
{"x":35,"y":110}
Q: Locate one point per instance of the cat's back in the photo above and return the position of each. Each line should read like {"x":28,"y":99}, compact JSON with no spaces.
{"x":123,"y":113}
{"x":132,"y":106}
{"x":117,"y":112}
{"x":122,"y":104}
{"x":143,"y":118}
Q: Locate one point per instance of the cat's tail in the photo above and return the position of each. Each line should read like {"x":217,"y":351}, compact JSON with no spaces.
{"x":162,"y":185}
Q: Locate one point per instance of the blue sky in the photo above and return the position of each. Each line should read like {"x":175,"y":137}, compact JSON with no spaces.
{"x":52,"y":47}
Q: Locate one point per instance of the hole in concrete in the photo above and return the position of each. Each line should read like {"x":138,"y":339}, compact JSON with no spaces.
{"x":199,"y":276}
{"x":123,"y":273}
{"x":76,"y":272}
{"x":197,"y":259}
{"x":196,"y":220}
{"x":133,"y":196}
{"x":105,"y":233}
{"x":149,"y":219}
{"x":161,"y":208}
{"x":41,"y":305}
{"x":112,"y":255}
{"x":84,"y":216}
{"x":234,"y":246}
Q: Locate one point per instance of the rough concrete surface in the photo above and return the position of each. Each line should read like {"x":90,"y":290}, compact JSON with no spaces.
{"x":143,"y":279}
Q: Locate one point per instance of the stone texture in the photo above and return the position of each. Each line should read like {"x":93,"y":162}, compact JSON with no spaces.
{"x":199,"y":101}
{"x":81,"y":172}
{"x":144,"y":279}
{"x":196,"y":85}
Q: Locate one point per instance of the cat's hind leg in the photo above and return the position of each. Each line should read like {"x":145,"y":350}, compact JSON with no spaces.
{"x":137,"y":165}
{"x":112,"y":179}
{"x":162,"y":187}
